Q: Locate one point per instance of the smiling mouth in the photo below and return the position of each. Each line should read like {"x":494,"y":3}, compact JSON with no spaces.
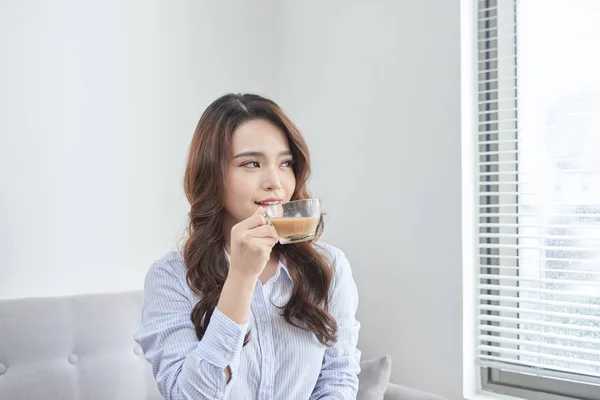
{"x":268,"y":202}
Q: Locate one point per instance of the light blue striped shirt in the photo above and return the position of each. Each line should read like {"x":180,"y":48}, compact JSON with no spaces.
{"x":279,"y":362}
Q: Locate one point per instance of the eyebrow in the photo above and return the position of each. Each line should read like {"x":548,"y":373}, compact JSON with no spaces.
{"x":260,"y":154}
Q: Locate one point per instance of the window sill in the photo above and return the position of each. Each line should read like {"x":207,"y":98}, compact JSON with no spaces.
{"x":483,"y":395}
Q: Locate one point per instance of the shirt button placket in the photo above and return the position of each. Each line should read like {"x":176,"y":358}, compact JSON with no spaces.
{"x":269,"y":355}
{"x":266,"y":346}
{"x":259,"y":312}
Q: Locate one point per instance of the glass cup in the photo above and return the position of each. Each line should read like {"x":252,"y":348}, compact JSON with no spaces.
{"x":295,"y":221}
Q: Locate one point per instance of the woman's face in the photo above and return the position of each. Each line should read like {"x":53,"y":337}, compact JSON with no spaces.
{"x":260,"y":171}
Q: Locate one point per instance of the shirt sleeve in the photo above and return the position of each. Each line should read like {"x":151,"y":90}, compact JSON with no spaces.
{"x":341,"y":363}
{"x":184,"y":367}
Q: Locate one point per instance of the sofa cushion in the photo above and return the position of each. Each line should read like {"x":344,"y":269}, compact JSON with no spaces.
{"x":397,"y":392}
{"x":373,"y":378}
{"x":74,"y":347}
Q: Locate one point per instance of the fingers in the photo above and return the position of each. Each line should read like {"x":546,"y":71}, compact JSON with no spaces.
{"x":264,"y":231}
{"x":255,"y":220}
{"x":267,"y":242}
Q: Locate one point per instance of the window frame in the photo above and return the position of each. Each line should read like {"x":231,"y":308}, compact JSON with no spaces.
{"x":482,"y":381}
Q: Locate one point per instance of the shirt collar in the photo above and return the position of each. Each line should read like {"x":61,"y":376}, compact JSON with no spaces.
{"x":283,"y":267}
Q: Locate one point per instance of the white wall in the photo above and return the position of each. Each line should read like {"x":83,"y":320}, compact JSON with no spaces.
{"x":98,"y":107}
{"x":375,"y":87}
{"x":98,"y":103}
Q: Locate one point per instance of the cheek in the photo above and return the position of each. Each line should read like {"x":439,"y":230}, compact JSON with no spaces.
{"x":236,"y":187}
{"x":289,"y":184}
{"x":243,"y":186}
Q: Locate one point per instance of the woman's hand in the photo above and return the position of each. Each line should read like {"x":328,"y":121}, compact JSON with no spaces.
{"x":251,"y":243}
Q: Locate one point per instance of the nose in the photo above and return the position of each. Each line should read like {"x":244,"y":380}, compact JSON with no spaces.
{"x":271,"y":180}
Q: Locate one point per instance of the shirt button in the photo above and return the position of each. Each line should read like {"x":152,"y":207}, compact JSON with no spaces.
{"x":263,"y":319}
{"x":219,"y":395}
{"x":268,"y":360}
{"x":229,"y":339}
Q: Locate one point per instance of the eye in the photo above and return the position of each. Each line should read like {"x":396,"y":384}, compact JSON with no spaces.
{"x":251,"y":164}
{"x":288,"y":163}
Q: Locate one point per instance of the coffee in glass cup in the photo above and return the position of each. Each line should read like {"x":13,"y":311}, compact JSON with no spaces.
{"x":295,"y":221}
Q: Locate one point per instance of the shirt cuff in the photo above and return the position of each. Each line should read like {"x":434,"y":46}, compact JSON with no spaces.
{"x":222,"y":342}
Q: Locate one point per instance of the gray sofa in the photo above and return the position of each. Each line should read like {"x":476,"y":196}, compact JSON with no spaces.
{"x":82,"y":347}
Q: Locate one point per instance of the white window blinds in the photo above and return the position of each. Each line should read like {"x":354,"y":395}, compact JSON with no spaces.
{"x":538,"y":188}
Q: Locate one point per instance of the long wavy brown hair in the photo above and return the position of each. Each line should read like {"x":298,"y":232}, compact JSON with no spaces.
{"x":204,"y":249}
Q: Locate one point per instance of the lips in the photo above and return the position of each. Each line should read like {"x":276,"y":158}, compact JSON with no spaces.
{"x":269,"y":202}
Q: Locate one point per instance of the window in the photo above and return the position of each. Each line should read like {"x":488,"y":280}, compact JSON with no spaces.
{"x":535,"y":248}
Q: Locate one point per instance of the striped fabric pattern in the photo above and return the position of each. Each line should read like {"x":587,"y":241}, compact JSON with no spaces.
{"x":279,"y":362}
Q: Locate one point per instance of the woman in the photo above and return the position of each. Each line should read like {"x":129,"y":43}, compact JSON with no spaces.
{"x":236,"y":315}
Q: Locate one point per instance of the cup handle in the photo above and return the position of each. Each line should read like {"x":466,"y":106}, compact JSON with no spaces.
{"x":268,"y":220}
